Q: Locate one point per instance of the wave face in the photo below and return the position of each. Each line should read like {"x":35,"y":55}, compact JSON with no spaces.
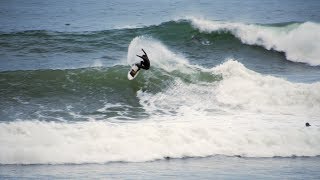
{"x":299,"y":41}
{"x":209,"y":41}
{"x":176,"y":109}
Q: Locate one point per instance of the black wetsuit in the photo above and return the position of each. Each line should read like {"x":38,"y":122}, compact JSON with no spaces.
{"x":145,"y":64}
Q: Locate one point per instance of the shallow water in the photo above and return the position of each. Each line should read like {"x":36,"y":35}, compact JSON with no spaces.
{"x":189,"y":168}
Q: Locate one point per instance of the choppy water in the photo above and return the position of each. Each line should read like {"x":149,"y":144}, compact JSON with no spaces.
{"x":219,"y":85}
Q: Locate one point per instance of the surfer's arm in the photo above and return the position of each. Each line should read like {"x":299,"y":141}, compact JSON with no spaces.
{"x":140,"y":56}
{"x":144,"y":52}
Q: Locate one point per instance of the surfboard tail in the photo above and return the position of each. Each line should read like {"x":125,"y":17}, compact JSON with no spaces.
{"x":133,"y":72}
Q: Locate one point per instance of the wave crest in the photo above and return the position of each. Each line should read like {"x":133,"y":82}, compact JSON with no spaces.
{"x":300,"y":42}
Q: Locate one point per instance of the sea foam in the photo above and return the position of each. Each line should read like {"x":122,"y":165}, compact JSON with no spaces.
{"x":245,"y":113}
{"x":35,"y":142}
{"x":299,"y":41}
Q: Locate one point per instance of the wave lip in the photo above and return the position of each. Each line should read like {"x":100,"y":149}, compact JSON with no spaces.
{"x":299,"y":41}
{"x":161,"y":56}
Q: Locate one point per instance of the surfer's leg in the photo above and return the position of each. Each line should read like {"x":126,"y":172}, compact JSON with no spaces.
{"x":140,"y":65}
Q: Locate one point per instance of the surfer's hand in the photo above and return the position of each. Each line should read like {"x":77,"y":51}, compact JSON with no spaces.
{"x":144,"y":52}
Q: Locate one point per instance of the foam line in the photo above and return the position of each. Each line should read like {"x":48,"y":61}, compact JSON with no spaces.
{"x":34,"y":142}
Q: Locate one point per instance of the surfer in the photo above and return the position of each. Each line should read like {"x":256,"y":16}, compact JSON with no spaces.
{"x":145,"y":64}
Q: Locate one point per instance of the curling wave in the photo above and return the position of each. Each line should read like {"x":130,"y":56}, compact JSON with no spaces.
{"x":299,"y":41}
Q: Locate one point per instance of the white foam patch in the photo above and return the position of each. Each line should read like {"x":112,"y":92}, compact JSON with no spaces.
{"x":108,"y":106}
{"x":300,"y":42}
{"x":34,"y":142}
{"x":240,"y":91}
{"x":249,"y":90}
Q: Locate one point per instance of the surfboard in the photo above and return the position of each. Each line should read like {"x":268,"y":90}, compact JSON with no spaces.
{"x":133,"y":72}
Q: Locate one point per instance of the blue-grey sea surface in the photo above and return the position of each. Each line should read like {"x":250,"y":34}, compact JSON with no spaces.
{"x":231,"y":87}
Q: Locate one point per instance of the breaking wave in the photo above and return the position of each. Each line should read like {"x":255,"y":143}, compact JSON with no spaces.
{"x":299,"y":41}
{"x":189,"y":111}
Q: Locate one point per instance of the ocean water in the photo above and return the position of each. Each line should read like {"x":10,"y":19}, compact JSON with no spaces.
{"x":230,"y":88}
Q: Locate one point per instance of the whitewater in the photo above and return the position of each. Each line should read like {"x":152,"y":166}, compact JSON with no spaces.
{"x":231,"y":87}
{"x":226,"y":110}
{"x":299,"y":41}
